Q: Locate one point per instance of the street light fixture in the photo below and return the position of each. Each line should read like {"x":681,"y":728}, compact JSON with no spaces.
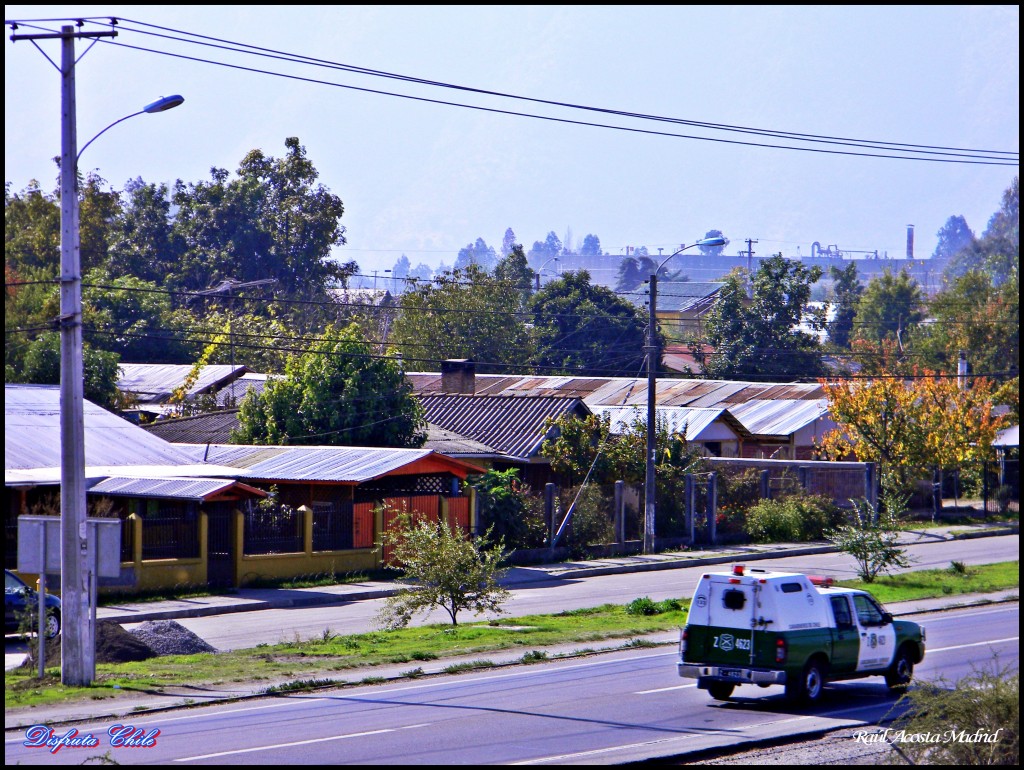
{"x":653,"y":359}
{"x":541,"y":268}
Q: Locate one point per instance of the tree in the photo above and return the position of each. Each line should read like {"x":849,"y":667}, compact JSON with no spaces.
{"x":448,"y":570}
{"x":591,"y":246}
{"x":338,"y":393}
{"x":542,"y":251}
{"x":997,"y":252}
{"x":954,"y":236}
{"x":972,"y":315}
{"x":462,"y":314}
{"x":508,"y":242}
{"x":761,"y":338}
{"x":401,"y":268}
{"x":633,"y":271}
{"x":872,"y":541}
{"x":583,"y":329}
{"x":514,"y":270}
{"x":272,"y":221}
{"x":507,"y":508}
{"x":143,"y":243}
{"x":890,"y":307}
{"x":479,"y":254}
{"x":42,"y":367}
{"x":713,"y":251}
{"x":847,"y":289}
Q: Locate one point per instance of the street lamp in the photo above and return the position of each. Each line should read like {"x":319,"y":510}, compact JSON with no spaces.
{"x":653,"y":359}
{"x":541,"y":268}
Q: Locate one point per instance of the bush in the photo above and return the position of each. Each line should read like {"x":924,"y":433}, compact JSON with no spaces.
{"x":644,"y":605}
{"x":874,"y":544}
{"x":984,"y":705}
{"x":818,"y":515}
{"x":774,"y":521}
{"x":591,"y":522}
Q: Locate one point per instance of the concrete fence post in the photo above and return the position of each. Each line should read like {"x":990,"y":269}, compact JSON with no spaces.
{"x":619,"y":513}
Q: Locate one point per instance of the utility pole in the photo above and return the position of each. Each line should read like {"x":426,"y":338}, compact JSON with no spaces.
{"x":750,"y":274}
{"x":78,"y":632}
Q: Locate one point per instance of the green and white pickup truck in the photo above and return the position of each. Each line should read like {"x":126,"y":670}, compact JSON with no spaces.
{"x":753,"y":626}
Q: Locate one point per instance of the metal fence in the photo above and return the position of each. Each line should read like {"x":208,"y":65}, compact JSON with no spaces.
{"x":170,"y":537}
{"x":278,"y":530}
{"x":332,"y":527}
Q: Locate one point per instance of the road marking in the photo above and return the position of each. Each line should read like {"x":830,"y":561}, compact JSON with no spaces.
{"x":297,"y":743}
{"x":973,"y":644}
{"x":665,"y":689}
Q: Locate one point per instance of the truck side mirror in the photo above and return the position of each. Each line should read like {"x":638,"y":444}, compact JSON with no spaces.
{"x":886,"y":618}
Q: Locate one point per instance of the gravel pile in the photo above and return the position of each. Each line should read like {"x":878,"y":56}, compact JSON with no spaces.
{"x":166,"y":637}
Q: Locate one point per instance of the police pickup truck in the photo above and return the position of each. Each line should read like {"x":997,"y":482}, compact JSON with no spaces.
{"x":753,"y":626}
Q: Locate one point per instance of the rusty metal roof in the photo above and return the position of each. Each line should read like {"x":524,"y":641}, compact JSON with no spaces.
{"x":681,"y":421}
{"x":154,"y":383}
{"x":351,"y":465}
{"x":510,"y":424}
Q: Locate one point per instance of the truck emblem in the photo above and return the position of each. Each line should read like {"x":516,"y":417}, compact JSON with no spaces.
{"x":702,"y":601}
{"x":726,"y":642}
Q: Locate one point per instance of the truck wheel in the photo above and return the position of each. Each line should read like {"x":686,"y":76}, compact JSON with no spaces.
{"x":901,"y":672}
{"x":721,"y":690}
{"x":808,"y":687}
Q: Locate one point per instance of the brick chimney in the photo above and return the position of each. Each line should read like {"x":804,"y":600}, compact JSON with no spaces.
{"x":458,"y":375}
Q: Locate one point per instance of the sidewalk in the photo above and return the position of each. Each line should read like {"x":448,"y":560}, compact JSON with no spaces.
{"x":139,"y":703}
{"x":252,"y":599}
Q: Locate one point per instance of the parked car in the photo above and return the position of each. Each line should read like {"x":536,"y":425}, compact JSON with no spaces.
{"x":19,"y":600}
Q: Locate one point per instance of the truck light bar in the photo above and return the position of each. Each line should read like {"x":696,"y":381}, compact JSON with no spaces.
{"x":821,"y":580}
{"x":738,"y":570}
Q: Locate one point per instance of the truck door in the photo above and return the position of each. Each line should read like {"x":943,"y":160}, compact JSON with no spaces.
{"x":877,"y":637}
{"x":729,"y":629}
{"x":846,"y":637}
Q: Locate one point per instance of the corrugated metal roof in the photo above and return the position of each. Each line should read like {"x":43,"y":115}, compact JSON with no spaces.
{"x":454,"y":444}
{"x":171,"y":489}
{"x":778,"y":417}
{"x":310,"y":463}
{"x":688,"y":423}
{"x":154,"y":383}
{"x":209,"y":428}
{"x":32,"y":434}
{"x":1009,"y":437}
{"x":510,"y":424}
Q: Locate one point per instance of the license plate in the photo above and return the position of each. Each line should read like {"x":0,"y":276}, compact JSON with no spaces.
{"x":733,"y":672}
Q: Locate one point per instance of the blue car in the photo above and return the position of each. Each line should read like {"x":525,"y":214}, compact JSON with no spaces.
{"x":19,"y":599}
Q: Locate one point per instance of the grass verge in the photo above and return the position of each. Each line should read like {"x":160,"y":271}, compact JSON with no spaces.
{"x":317,"y":660}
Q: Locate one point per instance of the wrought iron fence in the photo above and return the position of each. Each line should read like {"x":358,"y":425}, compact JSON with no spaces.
{"x":170,"y":537}
{"x":332,"y":527}
{"x":274,"y":530}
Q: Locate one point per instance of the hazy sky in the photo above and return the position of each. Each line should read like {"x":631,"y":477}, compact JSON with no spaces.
{"x":426,"y":179}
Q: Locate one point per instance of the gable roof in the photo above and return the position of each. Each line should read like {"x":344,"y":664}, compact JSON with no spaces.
{"x":510,"y":424}
{"x":32,"y":435}
{"x":154,"y":383}
{"x":206,"y":428}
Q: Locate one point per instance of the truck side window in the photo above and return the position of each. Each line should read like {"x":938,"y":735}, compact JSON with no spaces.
{"x":841,"y":609}
{"x":867,"y":611}
{"x":734,"y":599}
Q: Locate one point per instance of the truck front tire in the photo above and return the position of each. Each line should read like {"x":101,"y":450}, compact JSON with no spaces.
{"x":901,"y":672}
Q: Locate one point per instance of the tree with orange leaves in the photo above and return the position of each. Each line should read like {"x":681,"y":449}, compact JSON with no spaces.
{"x":907,"y":420}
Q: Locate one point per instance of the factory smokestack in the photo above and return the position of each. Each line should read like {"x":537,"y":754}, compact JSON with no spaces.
{"x":910,"y":241}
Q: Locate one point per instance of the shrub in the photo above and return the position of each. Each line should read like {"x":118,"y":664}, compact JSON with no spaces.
{"x":591,"y":522}
{"x":984,"y":705}
{"x":774,"y":521}
{"x":818,"y":515}
{"x":874,"y":544}
{"x":644,"y":605}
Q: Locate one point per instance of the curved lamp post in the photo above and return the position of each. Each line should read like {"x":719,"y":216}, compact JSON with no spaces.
{"x":653,"y":359}
{"x":78,"y":644}
{"x":541,"y":268}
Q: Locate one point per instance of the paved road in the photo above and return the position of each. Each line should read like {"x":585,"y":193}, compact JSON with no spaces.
{"x":610,"y":709}
{"x":248,"y":629}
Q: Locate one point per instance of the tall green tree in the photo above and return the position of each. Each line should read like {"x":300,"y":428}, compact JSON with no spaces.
{"x":41,"y":366}
{"x":761,"y":338}
{"x":846,"y":291}
{"x":514,"y":270}
{"x":997,"y":252}
{"x":338,"y":393}
{"x":478,"y":253}
{"x":462,"y":314}
{"x":581,"y":328}
{"x":273,"y":220}
{"x":143,"y":243}
{"x":953,"y":237}
{"x":891,"y":305}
